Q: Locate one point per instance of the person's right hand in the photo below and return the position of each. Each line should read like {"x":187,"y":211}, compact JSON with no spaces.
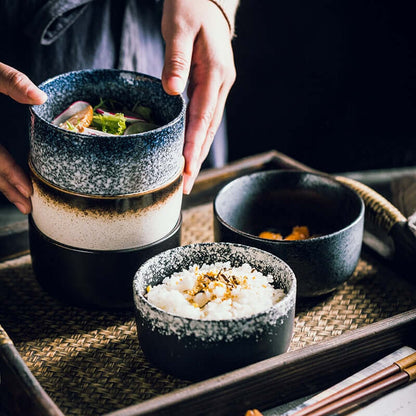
{"x":14,"y":184}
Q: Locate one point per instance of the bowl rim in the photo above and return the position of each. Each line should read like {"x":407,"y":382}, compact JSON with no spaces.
{"x":34,"y":108}
{"x":49,"y":184}
{"x":310,"y":240}
{"x":289,"y":296}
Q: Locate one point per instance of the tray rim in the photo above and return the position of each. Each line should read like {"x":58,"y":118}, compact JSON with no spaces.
{"x":389,"y":330}
{"x":334,"y":357}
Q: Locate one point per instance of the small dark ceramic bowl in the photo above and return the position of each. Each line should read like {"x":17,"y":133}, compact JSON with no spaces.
{"x":195,"y":348}
{"x":107,"y":165}
{"x":279,"y":200}
{"x":94,"y":279}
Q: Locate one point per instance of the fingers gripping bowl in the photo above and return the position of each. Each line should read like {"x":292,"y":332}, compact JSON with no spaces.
{"x":279,"y":200}
{"x":195,"y":348}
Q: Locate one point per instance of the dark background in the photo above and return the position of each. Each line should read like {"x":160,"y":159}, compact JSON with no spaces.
{"x":330,"y":83}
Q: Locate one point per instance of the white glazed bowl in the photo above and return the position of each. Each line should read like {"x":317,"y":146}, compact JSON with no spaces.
{"x":105,"y":222}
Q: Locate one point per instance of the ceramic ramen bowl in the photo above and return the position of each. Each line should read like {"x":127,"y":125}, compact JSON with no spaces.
{"x":194,"y":349}
{"x":107,"y":165}
{"x":277,"y":201}
{"x":92,"y":279}
{"x":94,"y":222}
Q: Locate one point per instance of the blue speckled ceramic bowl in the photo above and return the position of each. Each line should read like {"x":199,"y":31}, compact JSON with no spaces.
{"x":196,"y":348}
{"x":278,"y":200}
{"x":107,"y":165}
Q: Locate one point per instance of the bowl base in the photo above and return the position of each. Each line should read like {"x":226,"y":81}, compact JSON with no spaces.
{"x":198,"y":360}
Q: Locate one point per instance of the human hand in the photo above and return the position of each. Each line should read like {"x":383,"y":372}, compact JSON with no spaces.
{"x":198,"y":47}
{"x":14,"y":184}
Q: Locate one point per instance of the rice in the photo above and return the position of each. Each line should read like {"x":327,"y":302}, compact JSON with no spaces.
{"x":216,"y":291}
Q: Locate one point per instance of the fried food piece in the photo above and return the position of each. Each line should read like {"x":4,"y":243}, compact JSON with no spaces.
{"x":299,"y":232}
{"x":271,"y":236}
{"x":79,"y":120}
{"x":253,"y":412}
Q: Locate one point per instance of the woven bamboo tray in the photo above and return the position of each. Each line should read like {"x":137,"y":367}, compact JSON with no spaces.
{"x":90,"y":362}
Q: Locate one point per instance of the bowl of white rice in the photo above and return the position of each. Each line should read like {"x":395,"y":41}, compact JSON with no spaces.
{"x":209,"y":308}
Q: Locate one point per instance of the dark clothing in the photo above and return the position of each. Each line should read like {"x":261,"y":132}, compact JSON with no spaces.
{"x":43,"y":38}
{"x":46,"y":38}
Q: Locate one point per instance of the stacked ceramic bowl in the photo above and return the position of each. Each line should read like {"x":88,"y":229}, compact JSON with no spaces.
{"x":103,"y":203}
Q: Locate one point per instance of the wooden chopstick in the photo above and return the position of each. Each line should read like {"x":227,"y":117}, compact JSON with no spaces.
{"x":369,"y":393}
{"x":396,"y":374}
{"x":400,"y":372}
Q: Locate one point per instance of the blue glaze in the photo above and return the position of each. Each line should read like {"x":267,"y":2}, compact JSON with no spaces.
{"x":100,"y":165}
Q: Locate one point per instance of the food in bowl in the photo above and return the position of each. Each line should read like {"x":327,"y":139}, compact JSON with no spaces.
{"x":299,"y":232}
{"x":108,"y":117}
{"x":194,"y":348}
{"x":215,"y":291}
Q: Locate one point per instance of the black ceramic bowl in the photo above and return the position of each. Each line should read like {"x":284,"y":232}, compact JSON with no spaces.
{"x":278,"y":200}
{"x":197,"y":348}
{"x":96,"y":279}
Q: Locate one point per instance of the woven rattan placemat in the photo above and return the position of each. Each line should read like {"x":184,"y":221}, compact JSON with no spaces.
{"x":90,"y":362}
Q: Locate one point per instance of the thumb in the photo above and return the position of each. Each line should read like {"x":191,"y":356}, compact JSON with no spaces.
{"x":177,"y":64}
{"x":19,"y":87}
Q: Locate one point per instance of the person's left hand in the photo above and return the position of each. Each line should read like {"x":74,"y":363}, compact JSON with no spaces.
{"x":198,"y":47}
{"x":14,"y":183}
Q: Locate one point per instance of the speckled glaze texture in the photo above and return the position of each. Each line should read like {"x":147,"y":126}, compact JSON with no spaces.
{"x":92,"y":279}
{"x":102,"y":165}
{"x":279,"y":200}
{"x":105,"y":223}
{"x":195,"y":349}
